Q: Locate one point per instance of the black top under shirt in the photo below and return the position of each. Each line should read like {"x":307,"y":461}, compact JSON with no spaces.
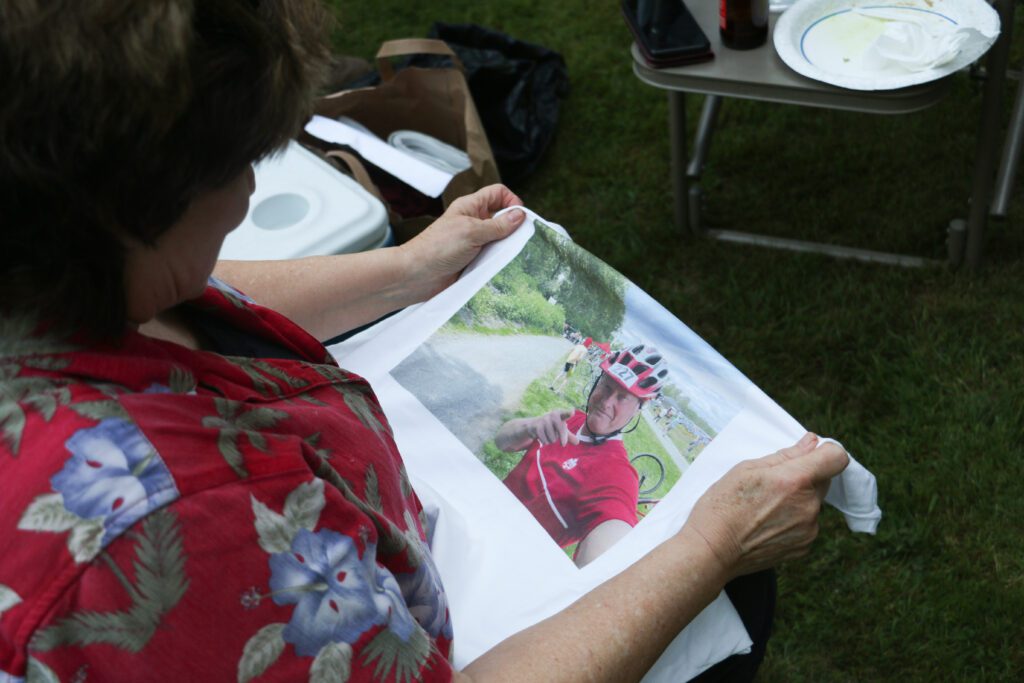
{"x":221,"y":337}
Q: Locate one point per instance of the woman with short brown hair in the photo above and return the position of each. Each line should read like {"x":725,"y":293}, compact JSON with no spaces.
{"x":193,"y":489}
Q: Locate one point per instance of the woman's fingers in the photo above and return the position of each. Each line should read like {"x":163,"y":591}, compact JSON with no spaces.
{"x":499,"y":227}
{"x":817,"y":460}
{"x":485,"y":202}
{"x":479,"y":208}
{"x":802,"y":447}
{"x":821,"y":464}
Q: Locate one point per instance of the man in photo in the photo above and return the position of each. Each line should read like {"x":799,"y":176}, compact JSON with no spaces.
{"x":575,"y":477}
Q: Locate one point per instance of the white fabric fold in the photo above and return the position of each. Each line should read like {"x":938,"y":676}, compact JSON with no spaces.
{"x":855,"y":493}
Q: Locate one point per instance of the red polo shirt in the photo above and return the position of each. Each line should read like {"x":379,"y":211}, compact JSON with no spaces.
{"x":572,"y":489}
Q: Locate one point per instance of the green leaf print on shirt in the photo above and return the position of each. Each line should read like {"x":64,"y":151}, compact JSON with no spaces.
{"x":313,"y":441}
{"x":263,"y":375}
{"x":395,"y":659}
{"x":101,"y":410}
{"x":391,"y":539}
{"x":355,"y":396}
{"x":181,"y":381}
{"x":37,"y":672}
{"x":47,"y":513}
{"x":234,"y":420}
{"x":302,"y":510}
{"x":260,"y":652}
{"x":333,"y":664}
{"x":160,"y":582}
{"x":303,"y":505}
{"x":371,"y":490}
{"x":19,"y":338}
{"x":42,"y":394}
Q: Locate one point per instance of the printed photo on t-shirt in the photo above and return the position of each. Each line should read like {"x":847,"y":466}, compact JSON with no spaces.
{"x":583,"y":395}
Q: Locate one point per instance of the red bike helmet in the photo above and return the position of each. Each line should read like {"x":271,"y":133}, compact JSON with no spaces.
{"x":641,"y":370}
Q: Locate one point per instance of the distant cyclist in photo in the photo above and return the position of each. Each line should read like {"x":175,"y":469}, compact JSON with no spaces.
{"x":575,"y":477}
{"x":577,"y":354}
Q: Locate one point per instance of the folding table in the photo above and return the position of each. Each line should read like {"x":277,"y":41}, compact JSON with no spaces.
{"x":760,"y":74}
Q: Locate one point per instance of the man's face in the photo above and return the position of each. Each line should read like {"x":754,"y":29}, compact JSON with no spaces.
{"x":610,"y":407}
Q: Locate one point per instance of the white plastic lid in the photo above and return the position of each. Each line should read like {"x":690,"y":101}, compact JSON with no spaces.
{"x":303,"y":206}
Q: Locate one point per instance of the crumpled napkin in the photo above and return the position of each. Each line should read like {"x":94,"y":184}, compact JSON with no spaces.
{"x":916,"y":44}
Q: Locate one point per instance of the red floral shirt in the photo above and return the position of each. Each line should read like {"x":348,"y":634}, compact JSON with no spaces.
{"x":179,"y":515}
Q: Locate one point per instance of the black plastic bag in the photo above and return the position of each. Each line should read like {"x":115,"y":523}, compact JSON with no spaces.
{"x":516,"y":87}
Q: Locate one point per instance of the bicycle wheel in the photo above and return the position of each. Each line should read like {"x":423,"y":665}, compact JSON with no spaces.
{"x":651,"y":470}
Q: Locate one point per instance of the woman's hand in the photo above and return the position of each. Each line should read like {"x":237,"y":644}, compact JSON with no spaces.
{"x":331,"y":294}
{"x":765,"y":511}
{"x":436,"y":256}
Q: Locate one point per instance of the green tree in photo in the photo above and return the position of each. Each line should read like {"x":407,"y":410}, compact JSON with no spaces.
{"x":513,"y":299}
{"x":592,"y":293}
{"x":552,"y":281}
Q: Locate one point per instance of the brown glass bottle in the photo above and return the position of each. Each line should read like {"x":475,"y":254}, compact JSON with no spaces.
{"x":743,"y":24}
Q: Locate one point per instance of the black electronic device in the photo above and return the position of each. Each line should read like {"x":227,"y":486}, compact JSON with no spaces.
{"x":666,"y":32}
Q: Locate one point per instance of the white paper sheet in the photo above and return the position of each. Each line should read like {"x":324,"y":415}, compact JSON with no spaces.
{"x":501,"y":569}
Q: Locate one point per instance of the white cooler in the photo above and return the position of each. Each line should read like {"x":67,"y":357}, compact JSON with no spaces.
{"x":303,"y":206}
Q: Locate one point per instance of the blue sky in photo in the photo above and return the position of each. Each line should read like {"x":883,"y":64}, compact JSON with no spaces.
{"x":715,"y":387}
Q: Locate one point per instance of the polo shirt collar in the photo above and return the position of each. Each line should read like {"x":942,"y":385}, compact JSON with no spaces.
{"x":590,"y":439}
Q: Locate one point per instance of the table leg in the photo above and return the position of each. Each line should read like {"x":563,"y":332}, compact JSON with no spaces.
{"x":679,"y":159}
{"x":705,"y":131}
{"x":988,"y":136}
{"x":1011,"y":157}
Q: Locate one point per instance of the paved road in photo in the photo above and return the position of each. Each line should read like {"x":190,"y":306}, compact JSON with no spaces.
{"x":467,"y":380}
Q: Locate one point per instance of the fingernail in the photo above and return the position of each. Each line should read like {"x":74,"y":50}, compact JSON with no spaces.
{"x":808,"y":439}
{"x":515,"y":216}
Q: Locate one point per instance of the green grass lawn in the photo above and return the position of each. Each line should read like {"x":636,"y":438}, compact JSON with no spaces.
{"x":918,"y":372}
{"x":682,"y":438}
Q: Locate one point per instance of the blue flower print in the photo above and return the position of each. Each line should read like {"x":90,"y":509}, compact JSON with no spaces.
{"x":426,"y":598}
{"x":113,"y":473}
{"x":338,"y":595}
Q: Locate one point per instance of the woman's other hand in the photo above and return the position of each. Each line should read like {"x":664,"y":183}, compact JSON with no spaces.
{"x":437,"y":255}
{"x":765,"y":511}
{"x":762,"y":512}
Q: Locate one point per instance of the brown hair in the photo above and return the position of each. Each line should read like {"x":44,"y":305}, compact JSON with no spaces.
{"x":115,"y":114}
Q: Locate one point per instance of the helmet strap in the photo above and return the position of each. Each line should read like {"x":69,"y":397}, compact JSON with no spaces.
{"x":636,"y":423}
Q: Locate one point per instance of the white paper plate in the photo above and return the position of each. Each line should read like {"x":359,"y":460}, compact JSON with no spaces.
{"x":824,"y":40}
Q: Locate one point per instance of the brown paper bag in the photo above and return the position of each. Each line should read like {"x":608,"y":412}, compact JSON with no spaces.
{"x":432,"y":101}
